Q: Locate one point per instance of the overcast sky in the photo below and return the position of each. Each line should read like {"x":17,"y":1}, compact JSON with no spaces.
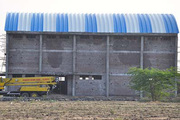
{"x":89,"y":6}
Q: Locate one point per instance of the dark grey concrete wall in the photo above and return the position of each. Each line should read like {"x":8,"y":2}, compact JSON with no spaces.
{"x":90,"y":59}
{"x":23,"y":54}
{"x":120,"y":62}
{"x":88,"y":56}
{"x":58,"y":62}
{"x":124,"y":53}
{"x":57,"y":54}
{"x":125,"y":43}
{"x":91,"y":87}
{"x":164,"y":44}
{"x":119,"y":85}
{"x":159,"y":52}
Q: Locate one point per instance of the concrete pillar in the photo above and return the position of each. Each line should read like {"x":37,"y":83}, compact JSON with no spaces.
{"x":141,"y":59}
{"x":107,"y":67}
{"x":142,"y":49}
{"x":74,"y":66}
{"x":40,"y":54}
{"x":176,"y":65}
{"x":7,"y":54}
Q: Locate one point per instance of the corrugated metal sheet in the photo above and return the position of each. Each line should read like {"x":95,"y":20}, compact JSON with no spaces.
{"x":102,"y":23}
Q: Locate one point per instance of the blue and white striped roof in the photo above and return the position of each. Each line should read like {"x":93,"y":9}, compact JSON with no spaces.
{"x":101,"y":23}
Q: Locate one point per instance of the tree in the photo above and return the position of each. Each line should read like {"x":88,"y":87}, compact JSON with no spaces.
{"x":154,"y":82}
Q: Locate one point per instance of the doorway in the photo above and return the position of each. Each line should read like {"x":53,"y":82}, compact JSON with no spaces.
{"x":61,"y":86}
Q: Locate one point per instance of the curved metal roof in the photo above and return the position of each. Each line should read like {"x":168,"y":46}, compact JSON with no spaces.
{"x":101,"y":23}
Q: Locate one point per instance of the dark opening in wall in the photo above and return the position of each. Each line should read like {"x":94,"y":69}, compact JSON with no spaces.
{"x":90,"y":77}
{"x":97,"y":77}
{"x":84,"y":37}
{"x":29,"y":75}
{"x":30,"y":36}
{"x":61,"y":86}
{"x":126,"y":37}
{"x":46,"y":75}
{"x":61,"y":78}
{"x":17,"y":36}
{"x":98,"y":37}
{"x":16,"y":75}
{"x":117,"y":37}
{"x":64,"y":36}
{"x":83,"y":77}
{"x":51,"y":36}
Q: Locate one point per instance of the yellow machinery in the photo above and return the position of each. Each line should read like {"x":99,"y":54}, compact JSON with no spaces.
{"x":28,"y":86}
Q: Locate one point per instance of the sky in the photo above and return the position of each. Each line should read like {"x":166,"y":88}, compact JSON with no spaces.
{"x":89,"y":6}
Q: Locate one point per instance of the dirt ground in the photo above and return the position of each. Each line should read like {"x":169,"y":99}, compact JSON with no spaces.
{"x":89,"y":110}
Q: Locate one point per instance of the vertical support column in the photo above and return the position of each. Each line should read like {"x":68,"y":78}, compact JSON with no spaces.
{"x":40,"y":54}
{"x":74,"y":65}
{"x":176,"y":64}
{"x":141,"y":59}
{"x":7,"y":55}
{"x":107,"y":67}
{"x":142,"y":49}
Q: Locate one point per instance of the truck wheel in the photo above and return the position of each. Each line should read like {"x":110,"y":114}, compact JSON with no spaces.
{"x":34,"y":94}
{"x":25,"y":95}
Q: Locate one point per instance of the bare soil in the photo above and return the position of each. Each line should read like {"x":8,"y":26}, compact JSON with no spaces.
{"x":89,"y":110}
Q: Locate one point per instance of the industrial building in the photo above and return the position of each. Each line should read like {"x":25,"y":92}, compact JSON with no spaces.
{"x":90,"y":52}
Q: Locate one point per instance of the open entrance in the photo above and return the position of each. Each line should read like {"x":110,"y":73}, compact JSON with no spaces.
{"x":61,"y":86}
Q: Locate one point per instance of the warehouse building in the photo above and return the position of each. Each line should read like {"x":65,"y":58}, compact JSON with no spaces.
{"x":91,"y":53}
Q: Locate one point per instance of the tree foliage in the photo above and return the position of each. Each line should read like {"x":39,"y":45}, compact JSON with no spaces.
{"x":156,"y":83}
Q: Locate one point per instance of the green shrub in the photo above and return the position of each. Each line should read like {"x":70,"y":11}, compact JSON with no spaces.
{"x":156,"y":83}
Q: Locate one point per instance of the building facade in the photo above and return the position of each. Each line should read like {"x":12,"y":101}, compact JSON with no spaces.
{"x":90,"y":52}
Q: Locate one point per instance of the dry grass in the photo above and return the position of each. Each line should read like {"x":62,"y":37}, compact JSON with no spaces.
{"x":90,"y":110}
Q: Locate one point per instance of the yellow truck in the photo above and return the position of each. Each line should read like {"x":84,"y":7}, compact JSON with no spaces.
{"x":27,"y":86}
